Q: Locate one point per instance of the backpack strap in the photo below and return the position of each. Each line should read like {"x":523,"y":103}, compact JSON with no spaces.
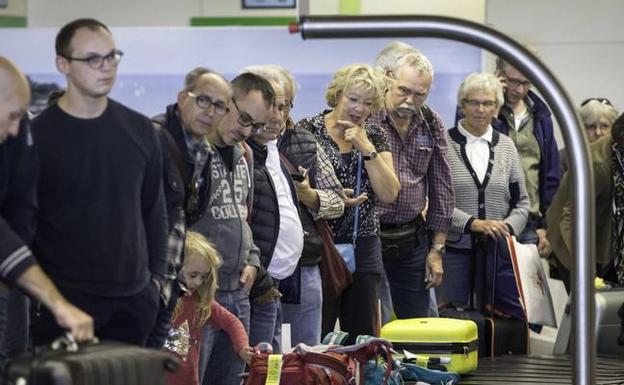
{"x":428,"y":115}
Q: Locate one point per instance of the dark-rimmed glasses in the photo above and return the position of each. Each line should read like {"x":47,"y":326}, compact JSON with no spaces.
{"x":601,"y":100}
{"x":205,"y":102}
{"x":96,"y":62}
{"x":246,"y":121}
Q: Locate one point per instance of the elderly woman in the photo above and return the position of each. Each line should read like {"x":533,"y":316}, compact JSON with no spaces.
{"x":597,"y":115}
{"x":354,"y":92}
{"x":491,"y":202}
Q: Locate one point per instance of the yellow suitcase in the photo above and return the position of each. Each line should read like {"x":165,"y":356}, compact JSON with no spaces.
{"x":436,"y":337}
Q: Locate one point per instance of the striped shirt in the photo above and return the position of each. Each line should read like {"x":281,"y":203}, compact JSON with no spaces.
{"x":501,"y":196}
{"x":421,"y":164}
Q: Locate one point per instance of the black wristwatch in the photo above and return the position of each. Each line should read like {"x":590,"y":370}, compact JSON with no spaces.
{"x":371,"y":155}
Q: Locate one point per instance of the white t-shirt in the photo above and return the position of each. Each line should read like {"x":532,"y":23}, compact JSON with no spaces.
{"x":290,"y":238}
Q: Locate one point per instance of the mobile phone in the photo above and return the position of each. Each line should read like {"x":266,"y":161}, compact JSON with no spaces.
{"x":297,"y":177}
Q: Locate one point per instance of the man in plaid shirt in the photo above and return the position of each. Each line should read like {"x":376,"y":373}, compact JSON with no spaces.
{"x":413,"y":262}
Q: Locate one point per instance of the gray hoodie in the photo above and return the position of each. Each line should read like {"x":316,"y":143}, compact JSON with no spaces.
{"x":225,"y":221}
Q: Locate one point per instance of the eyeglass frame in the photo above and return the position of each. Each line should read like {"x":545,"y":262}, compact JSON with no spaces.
{"x":211,"y":103}
{"x":601,"y":100}
{"x":109,"y":57}
{"x":256,"y":128}
{"x":480,"y":103}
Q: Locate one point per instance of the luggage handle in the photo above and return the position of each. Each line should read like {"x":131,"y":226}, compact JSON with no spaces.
{"x":68,"y":343}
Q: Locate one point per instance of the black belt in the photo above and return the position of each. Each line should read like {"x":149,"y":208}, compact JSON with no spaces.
{"x":417,"y":223}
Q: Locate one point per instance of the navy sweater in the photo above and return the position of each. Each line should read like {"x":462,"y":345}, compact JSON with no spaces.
{"x":102,"y":222}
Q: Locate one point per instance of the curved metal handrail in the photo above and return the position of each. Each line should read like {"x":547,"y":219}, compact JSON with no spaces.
{"x":583,"y":303}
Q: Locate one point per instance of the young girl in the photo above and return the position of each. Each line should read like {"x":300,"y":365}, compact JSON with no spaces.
{"x":194,"y":310}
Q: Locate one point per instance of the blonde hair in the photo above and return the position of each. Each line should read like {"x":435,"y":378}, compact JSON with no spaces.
{"x":197,"y":244}
{"x":593,"y":110}
{"x":357,"y":75}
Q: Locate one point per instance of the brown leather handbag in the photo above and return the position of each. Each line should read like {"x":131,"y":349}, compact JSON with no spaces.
{"x":335,"y":276}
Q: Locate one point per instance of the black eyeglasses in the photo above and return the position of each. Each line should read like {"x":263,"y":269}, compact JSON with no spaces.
{"x":96,"y":62}
{"x":246,"y":121}
{"x":601,"y":100}
{"x":205,"y":102}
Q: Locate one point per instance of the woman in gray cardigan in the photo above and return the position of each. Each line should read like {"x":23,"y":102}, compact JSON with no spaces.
{"x":491,"y":202}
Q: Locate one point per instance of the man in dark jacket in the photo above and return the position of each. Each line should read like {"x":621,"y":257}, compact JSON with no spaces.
{"x":275,"y":222}
{"x":526,"y":119}
{"x":182,"y":129}
{"x":18,"y":204}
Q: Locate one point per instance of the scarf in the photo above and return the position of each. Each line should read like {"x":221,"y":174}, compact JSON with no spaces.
{"x":617,"y":213}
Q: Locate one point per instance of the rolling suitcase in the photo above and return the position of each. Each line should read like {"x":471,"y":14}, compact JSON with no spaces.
{"x":436,"y":337}
{"x":608,"y":324}
{"x":93,"y":363}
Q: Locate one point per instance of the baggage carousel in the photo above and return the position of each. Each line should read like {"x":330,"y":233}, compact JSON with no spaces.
{"x":540,"y":369}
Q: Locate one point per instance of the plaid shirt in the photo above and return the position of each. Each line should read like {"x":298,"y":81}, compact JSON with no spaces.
{"x":175,"y":249}
{"x":328,"y":188}
{"x":421,"y":164}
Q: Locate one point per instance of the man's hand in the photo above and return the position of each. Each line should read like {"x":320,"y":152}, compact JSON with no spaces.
{"x":248,"y":277}
{"x":351,"y":201}
{"x":306,"y":194}
{"x":79,"y":323}
{"x":268,"y":296}
{"x":543,"y":244}
{"x":434,"y":270}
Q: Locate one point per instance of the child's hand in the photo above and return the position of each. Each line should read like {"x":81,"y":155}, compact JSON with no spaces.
{"x":246,"y":354}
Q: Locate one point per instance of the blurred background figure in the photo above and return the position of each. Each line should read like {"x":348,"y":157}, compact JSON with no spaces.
{"x":597,"y":115}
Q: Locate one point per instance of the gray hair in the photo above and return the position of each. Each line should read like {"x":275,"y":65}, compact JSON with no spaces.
{"x":389,"y":56}
{"x":416,"y":60}
{"x":191,"y":79}
{"x":268,"y":72}
{"x":593,"y":110}
{"x":481,"y":81}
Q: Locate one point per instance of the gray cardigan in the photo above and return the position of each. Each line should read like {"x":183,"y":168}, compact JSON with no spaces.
{"x":501,"y":196}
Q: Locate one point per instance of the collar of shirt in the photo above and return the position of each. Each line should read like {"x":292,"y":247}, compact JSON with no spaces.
{"x":194,"y":145}
{"x":470,"y":138}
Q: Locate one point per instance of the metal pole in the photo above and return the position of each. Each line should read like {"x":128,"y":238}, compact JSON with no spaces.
{"x":312,"y":27}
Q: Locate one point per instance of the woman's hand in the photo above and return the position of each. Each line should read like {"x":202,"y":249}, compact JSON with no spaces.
{"x":356,"y":135}
{"x":493,"y":229}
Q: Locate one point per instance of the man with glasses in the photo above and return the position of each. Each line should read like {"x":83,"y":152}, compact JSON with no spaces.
{"x":183,"y":128}
{"x":412,"y":261}
{"x":225,"y":220}
{"x":102,"y":222}
{"x":526,"y":119}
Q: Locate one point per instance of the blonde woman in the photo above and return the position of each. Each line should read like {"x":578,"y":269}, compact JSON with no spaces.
{"x":197,"y":308}
{"x":344,"y":134}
